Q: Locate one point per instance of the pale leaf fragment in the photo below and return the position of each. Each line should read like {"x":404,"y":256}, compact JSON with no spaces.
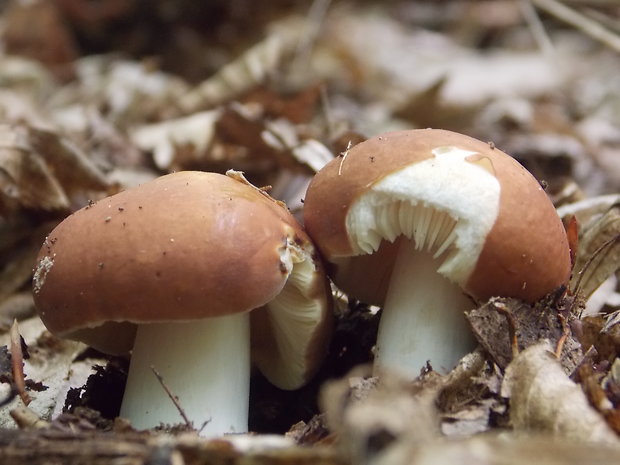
{"x":51,"y":363}
{"x":71,"y":166}
{"x":194,"y":133}
{"x":544,"y":399}
{"x":598,"y":257}
{"x":253,"y":67}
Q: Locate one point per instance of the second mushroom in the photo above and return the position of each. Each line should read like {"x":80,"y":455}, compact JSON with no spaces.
{"x":424,"y":222}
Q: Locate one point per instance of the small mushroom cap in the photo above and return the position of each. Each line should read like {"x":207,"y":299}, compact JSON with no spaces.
{"x":507,"y":238}
{"x":186,"y":246}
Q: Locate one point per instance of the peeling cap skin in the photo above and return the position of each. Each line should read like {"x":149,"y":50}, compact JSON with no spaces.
{"x":186,"y":246}
{"x":523,"y":252}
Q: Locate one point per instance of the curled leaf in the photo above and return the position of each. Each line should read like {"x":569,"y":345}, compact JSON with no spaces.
{"x":41,"y":170}
{"x":599,"y":253}
{"x":544,"y":399}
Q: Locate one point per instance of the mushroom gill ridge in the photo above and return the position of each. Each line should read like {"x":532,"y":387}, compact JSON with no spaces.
{"x":445,"y":203}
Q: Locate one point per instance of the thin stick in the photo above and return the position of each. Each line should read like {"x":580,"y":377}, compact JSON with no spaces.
{"x":314,"y":21}
{"x":565,"y":332}
{"x":512,"y":327}
{"x":25,"y":418}
{"x":17,"y":363}
{"x":344,"y":157}
{"x":327,"y":111}
{"x":581,"y":22}
{"x":173,"y":398}
{"x":537,"y":27}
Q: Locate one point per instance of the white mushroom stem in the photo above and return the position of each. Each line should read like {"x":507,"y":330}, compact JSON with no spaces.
{"x":422,"y":318}
{"x":206,"y":364}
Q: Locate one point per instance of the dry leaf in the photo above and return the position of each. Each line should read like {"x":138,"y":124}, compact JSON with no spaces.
{"x":252,"y":68}
{"x":41,"y":170}
{"x":599,"y":253}
{"x":515,"y":450}
{"x":191,"y":136}
{"x":469,"y":396}
{"x":596,"y":331}
{"x":26,"y":181}
{"x":588,"y":210}
{"x":380,"y":421}
{"x":128,"y":92}
{"x":50,"y":362}
{"x":505,"y":326}
{"x":544,"y":399}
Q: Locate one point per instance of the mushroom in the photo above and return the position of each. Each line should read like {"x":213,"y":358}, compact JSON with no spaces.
{"x":171,"y":270}
{"x":423,"y":221}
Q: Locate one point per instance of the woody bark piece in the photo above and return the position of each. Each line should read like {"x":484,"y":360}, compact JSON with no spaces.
{"x":98,"y":448}
{"x":505,"y":326}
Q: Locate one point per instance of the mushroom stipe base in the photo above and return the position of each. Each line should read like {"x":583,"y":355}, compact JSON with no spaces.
{"x":205,"y":363}
{"x":423,"y":317}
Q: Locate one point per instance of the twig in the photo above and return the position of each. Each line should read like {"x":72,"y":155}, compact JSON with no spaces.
{"x":581,"y":22}
{"x":173,"y":398}
{"x":327,"y":112}
{"x":343,"y":156}
{"x":512,"y":326}
{"x":565,"y":332}
{"x":17,"y":363}
{"x":314,"y":22}
{"x":26,"y":418}
{"x":537,"y":27}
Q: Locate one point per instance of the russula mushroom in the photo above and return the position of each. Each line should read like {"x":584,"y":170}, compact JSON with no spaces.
{"x":171,"y":270}
{"x":421,"y":222}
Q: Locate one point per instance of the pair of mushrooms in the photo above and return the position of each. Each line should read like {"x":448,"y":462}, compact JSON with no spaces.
{"x":419,"y":222}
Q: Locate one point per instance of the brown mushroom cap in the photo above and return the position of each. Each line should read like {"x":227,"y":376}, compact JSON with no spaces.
{"x":525,"y":254}
{"x":186,"y":246}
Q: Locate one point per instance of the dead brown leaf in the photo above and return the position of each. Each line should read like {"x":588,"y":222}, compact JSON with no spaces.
{"x":40,"y":170}
{"x":599,"y":253}
{"x":506,"y":326}
{"x":596,"y":332}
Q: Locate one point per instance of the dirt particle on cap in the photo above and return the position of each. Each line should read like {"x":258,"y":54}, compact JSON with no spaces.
{"x":40,"y":273}
{"x":108,"y":219}
{"x":100,"y":265}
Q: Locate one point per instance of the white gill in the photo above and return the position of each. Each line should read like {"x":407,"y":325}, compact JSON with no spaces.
{"x":446,"y":204}
{"x":294,"y":315}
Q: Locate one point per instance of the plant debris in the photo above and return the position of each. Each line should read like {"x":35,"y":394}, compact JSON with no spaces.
{"x":543,"y":398}
{"x":95,"y":100}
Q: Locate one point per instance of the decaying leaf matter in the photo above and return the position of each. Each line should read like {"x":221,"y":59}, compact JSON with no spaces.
{"x":544,"y":399}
